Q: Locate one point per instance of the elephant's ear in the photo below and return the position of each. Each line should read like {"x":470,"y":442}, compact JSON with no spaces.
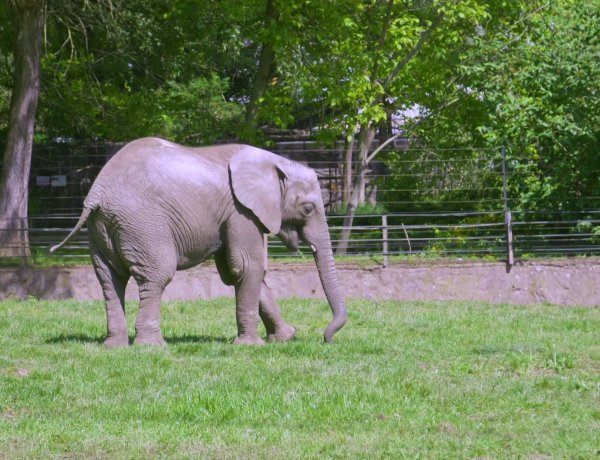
{"x":256,"y":185}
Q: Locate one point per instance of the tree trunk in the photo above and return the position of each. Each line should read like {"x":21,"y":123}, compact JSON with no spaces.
{"x":266,"y":61}
{"x":347,"y":169}
{"x":357,"y":196}
{"x":29,"y":17}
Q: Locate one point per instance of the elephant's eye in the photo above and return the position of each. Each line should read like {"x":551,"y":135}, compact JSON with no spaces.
{"x":307,"y":209}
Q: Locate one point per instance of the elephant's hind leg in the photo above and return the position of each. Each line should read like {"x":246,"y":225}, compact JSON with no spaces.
{"x":152,"y":283}
{"x":277,"y":329}
{"x":113,"y":285}
{"x":147,"y":324}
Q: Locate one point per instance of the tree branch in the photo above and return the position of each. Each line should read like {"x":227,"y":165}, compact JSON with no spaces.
{"x":415,"y":49}
{"x":384,"y":145}
{"x":417,"y":123}
{"x":383,"y":37}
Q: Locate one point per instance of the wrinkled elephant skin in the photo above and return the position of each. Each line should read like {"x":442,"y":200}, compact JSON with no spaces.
{"x":158,"y":207}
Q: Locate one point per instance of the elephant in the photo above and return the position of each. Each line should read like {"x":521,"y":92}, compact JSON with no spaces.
{"x":157,"y":207}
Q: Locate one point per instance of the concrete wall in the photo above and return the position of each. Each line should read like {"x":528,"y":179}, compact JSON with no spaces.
{"x":561,"y":281}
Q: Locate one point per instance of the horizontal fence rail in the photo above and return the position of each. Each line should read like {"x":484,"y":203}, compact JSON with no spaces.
{"x":381,"y":235}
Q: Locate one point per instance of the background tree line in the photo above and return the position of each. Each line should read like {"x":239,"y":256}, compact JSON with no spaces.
{"x":469,"y":73}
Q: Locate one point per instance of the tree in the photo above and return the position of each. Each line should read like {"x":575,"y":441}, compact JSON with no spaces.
{"x":534,"y":85}
{"x":29,"y":16}
{"x":549,"y":113}
{"x":264,"y":72}
{"x":366,"y":61}
{"x":122,"y":70}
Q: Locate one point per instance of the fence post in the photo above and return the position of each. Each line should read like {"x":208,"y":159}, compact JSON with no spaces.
{"x":509,"y":239}
{"x":21,"y":229}
{"x":510,"y":258}
{"x":384,"y":231}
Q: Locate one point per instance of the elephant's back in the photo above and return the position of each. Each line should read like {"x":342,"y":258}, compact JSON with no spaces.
{"x":154,"y":155}
{"x":155,"y":168}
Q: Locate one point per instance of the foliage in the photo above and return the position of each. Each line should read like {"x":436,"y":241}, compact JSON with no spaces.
{"x":117,"y":70}
{"x":133,"y":69}
{"x":429,"y":180}
{"x":373,"y":60}
{"x":479,"y":73}
{"x":404,"y":379}
{"x":533,"y":87}
{"x":365,"y":44}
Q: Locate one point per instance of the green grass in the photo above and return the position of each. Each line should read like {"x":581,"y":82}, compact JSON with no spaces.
{"x":403,"y":380}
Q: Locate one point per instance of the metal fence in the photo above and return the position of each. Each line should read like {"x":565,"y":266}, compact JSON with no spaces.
{"x":428,"y":203}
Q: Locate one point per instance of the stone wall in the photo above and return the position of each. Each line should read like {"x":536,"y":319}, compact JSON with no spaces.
{"x":561,"y":281}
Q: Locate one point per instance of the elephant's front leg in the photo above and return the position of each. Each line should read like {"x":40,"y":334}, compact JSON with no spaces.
{"x":247,"y":294}
{"x":277,"y":329}
{"x":247,"y":262}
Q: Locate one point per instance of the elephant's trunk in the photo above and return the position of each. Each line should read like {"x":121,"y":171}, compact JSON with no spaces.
{"x":321,"y":247}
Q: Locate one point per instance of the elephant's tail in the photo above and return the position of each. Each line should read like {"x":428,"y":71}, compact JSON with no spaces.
{"x":80,"y":223}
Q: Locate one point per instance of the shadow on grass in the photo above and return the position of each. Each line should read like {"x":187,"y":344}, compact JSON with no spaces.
{"x":82,"y":338}
{"x":173,"y":339}
{"x":192,"y":338}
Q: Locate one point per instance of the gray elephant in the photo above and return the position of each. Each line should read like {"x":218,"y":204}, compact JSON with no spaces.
{"x":158,"y":207}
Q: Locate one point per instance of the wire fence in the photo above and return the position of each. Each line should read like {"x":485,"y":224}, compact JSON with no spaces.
{"x":418,"y":203}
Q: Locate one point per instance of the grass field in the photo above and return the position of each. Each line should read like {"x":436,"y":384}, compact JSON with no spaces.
{"x":403,"y":380}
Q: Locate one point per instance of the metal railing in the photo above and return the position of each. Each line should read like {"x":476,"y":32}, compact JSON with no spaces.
{"x":386,"y":236}
{"x":426,"y":203}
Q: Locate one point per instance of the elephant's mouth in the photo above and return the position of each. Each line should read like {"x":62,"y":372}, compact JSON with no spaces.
{"x":289,"y":236}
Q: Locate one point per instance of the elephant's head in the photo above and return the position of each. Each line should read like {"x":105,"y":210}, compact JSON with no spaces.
{"x":285,"y":196}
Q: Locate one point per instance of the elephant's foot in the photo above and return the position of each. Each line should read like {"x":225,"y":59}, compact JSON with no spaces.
{"x":114,"y":341}
{"x":155,"y":339}
{"x":284,"y":334}
{"x":246,"y":339}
